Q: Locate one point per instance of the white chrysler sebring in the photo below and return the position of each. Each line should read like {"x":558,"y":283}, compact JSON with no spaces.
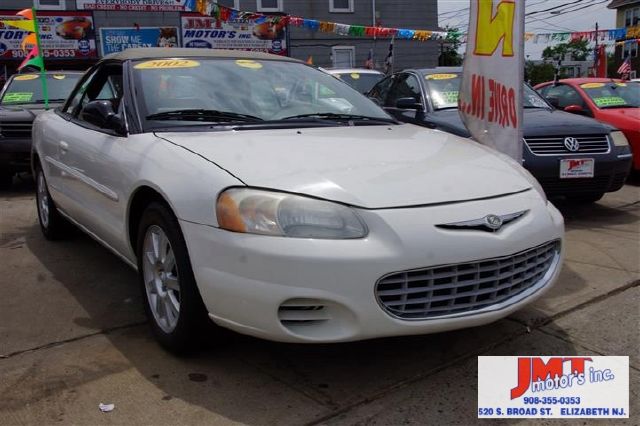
{"x":273,"y":199}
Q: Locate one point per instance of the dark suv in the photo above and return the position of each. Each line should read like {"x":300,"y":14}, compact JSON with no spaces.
{"x":21,"y":99}
{"x":571,"y":156}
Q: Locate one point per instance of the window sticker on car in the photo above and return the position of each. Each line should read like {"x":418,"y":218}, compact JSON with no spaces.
{"x":355,"y":75}
{"x":247,"y":63}
{"x":59,"y":76}
{"x":440,"y":76}
{"x":167,"y":63}
{"x":609,"y":101}
{"x":621,"y":84}
{"x":451,"y":97}
{"x":17,"y":97}
{"x":591,"y":85}
{"x":26,"y":77}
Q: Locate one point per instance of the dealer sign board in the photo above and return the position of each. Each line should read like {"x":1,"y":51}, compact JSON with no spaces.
{"x":114,"y":40}
{"x":138,"y":5}
{"x":63,"y":35}
{"x":269,"y":36}
{"x":490,"y":102}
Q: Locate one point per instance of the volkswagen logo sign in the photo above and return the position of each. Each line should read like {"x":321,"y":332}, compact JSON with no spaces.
{"x":493,"y":222}
{"x":572,"y":144}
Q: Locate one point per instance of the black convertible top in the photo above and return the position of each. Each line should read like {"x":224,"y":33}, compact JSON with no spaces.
{"x":178,"y":52}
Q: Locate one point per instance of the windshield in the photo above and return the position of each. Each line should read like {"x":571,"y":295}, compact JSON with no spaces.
{"x":27,"y":88}
{"x":221,"y":90}
{"x":444,"y":91}
{"x":613,"y":95}
{"x":360,"y":81}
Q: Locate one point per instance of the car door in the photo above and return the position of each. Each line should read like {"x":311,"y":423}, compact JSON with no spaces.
{"x":562,"y":96}
{"x":405,"y":85}
{"x":93,"y":157}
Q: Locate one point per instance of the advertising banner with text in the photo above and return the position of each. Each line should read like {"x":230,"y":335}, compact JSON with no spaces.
{"x":137,"y":5}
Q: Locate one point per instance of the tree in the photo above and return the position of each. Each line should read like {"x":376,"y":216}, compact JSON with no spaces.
{"x":449,"y":55}
{"x":578,"y":50}
{"x":539,"y":73}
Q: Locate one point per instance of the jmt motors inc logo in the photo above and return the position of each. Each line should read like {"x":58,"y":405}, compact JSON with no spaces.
{"x":553,"y":387}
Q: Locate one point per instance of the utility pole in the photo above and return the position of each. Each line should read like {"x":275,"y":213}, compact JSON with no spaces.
{"x":596,"y":57}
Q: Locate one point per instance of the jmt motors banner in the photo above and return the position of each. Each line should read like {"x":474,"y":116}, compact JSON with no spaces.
{"x":63,"y":35}
{"x":490,"y":102}
{"x":138,"y":5}
{"x":118,"y":39}
{"x":268,"y":36}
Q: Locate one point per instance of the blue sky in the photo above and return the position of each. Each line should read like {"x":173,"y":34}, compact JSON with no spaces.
{"x":455,"y":13}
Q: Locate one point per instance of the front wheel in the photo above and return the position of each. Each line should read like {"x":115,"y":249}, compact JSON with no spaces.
{"x":52,"y":224}
{"x":172,"y":300}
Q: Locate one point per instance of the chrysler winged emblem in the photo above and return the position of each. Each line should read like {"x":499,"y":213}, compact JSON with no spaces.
{"x":571,"y":144}
{"x":489,"y":223}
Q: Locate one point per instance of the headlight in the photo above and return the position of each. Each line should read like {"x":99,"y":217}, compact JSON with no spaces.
{"x":272,"y":213}
{"x":619,"y":139}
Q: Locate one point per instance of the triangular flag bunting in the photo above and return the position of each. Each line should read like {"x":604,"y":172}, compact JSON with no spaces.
{"x":27,"y":13}
{"x":29,"y":40}
{"x":33,"y":54}
{"x":23,"y":24}
{"x":34,"y":62}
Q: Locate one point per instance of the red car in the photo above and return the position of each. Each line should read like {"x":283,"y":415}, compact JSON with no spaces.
{"x":611,"y":101}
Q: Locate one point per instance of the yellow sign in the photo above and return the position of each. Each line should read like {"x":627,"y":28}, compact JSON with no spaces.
{"x":59,"y":76}
{"x":166,"y":63}
{"x":355,"y":75}
{"x":440,"y":76}
{"x":493,"y":28}
{"x":26,"y":77}
{"x":621,"y":84}
{"x":591,"y":85}
{"x":248,"y":63}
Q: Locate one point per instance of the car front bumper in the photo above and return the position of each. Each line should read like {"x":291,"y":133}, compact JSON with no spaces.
{"x":15,"y":154}
{"x":306,"y":290}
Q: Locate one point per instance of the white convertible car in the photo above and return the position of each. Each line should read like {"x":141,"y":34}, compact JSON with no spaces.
{"x":241,"y":196}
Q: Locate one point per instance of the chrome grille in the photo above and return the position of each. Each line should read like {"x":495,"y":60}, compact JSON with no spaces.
{"x":589,"y":144}
{"x":464,"y":287}
{"x":16,"y":129}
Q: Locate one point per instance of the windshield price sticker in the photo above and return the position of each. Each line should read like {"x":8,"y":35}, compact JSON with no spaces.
{"x":355,"y":75}
{"x":440,"y":76}
{"x":609,"y":101}
{"x":25,"y":77}
{"x":167,"y":64}
{"x":59,"y":76}
{"x":553,"y":387}
{"x":17,"y":97}
{"x":591,"y":85}
{"x":247,"y":63}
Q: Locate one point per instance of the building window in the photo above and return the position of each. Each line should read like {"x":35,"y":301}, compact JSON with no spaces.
{"x":343,"y":56}
{"x":341,"y":6}
{"x":270,"y":6}
{"x":633,"y":75}
{"x":233,"y":4}
{"x":631,"y":17}
{"x":630,"y":49}
{"x":49,"y":4}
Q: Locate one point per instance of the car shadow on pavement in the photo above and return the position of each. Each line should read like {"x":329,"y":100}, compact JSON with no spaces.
{"x":246,"y":379}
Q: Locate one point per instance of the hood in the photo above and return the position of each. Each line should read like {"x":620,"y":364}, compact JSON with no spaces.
{"x":537,"y":122}
{"x":22,"y":112}
{"x":366,"y":166}
{"x":627,"y":119}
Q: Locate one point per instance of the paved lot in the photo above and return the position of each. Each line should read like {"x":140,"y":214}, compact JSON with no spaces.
{"x":72,"y":335}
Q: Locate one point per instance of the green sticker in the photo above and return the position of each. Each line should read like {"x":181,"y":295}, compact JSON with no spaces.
{"x":451,"y":97}
{"x":17,"y":97}
{"x":609,"y":101}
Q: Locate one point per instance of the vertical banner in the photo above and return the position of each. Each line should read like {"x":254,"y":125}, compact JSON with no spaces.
{"x":490,"y":102}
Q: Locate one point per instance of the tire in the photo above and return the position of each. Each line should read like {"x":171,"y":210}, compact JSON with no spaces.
{"x":172,"y":301}
{"x":6,"y":179}
{"x":585,"y":198}
{"x":52,"y":224}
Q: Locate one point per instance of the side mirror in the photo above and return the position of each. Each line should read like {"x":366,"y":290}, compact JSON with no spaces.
{"x":101,"y":114}
{"x":555,"y":102}
{"x":408,"y":103}
{"x":576,"y":109}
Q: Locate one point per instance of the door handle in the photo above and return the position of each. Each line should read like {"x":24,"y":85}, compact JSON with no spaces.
{"x":64,"y":146}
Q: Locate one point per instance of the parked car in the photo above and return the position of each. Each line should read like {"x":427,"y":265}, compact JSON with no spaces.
{"x":553,"y":140}
{"x":614,"y":102}
{"x":21,"y":99}
{"x":361,"y":79}
{"x":285,"y":218}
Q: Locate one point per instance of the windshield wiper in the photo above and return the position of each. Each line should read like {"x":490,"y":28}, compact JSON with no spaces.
{"x":340,"y":116}
{"x":203,"y":115}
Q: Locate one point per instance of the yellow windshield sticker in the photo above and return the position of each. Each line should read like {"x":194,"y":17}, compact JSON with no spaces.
{"x":26,"y":77}
{"x":609,"y":101}
{"x":355,"y":75}
{"x":59,"y":76}
{"x":440,"y":76}
{"x":591,"y":85}
{"x":247,"y":63}
{"x":621,"y":84}
{"x":157,"y":64}
{"x":17,"y":97}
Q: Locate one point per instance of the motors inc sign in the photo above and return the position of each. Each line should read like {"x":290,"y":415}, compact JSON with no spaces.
{"x":63,"y":35}
{"x":139,"y":5}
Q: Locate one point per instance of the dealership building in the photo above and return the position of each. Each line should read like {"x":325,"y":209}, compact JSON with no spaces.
{"x":76,"y":33}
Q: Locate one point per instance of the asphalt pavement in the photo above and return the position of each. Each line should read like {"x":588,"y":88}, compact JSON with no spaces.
{"x":73,"y":335}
